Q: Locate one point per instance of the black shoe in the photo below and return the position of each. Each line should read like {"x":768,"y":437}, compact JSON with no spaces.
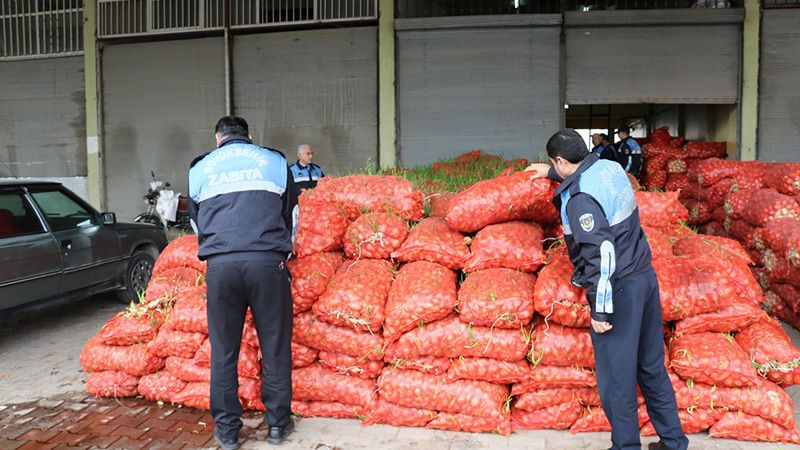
{"x":278,"y":434}
{"x":226,"y":444}
{"x":656,"y":446}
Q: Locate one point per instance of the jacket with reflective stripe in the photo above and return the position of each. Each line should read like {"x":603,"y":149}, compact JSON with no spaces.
{"x":306,"y":177}
{"x":242,"y":200}
{"x":602,"y":230}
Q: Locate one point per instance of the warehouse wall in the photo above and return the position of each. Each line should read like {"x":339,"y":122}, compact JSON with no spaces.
{"x":42,"y":119}
{"x":317,"y":87}
{"x":161,"y":101}
{"x":779,"y":90}
{"x":488,"y":82}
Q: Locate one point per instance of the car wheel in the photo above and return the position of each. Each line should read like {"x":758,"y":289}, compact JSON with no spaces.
{"x":137,"y":275}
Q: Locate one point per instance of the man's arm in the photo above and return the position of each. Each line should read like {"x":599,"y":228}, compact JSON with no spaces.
{"x":592,"y":234}
{"x":193,"y":206}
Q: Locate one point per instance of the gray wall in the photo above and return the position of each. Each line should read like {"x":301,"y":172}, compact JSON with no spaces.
{"x":488,"y":83}
{"x":42,"y":118}
{"x":779,"y":89}
{"x":318,"y":87}
{"x":161,"y":101}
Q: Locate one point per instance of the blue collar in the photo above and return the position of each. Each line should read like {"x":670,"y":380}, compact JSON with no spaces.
{"x":587,"y":162}
{"x":235,"y":140}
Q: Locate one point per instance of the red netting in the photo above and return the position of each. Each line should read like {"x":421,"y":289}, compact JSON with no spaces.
{"x":513,"y":245}
{"x":374,"y":235}
{"x":433,"y":240}
{"x":555,"y":297}
{"x":501,"y":298}
{"x":310,"y":277}
{"x":711,"y":358}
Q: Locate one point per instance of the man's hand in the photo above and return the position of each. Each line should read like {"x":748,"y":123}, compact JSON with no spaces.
{"x":540,"y":170}
{"x":601,"y":327}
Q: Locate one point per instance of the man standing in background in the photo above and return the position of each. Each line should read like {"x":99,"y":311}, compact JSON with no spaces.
{"x":306,"y":174}
{"x":629,"y":153}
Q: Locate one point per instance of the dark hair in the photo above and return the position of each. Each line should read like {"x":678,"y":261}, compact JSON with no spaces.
{"x":604,"y":136}
{"x":567,"y":144}
{"x":232,"y":126}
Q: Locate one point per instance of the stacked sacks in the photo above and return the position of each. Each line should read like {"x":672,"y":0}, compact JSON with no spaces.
{"x":668,"y":160}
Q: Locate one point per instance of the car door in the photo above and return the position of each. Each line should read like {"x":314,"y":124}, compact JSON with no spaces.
{"x":90,"y":251}
{"x":29,"y":255}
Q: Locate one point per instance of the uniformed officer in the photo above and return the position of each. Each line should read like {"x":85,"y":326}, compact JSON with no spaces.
{"x":602,"y":147}
{"x":612,"y":261}
{"x":242,"y":204}
{"x":629,"y":153}
{"x":306,"y":174}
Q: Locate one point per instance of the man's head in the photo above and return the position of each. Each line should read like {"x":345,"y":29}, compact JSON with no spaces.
{"x":231,"y":126}
{"x":566,"y":149}
{"x":597,"y":139}
{"x":604,"y":139}
{"x":624,"y":131}
{"x":305,"y":154}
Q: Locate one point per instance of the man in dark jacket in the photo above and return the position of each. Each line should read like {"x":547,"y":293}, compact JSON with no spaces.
{"x":629,"y":153}
{"x":242,"y":204}
{"x":306,"y":174}
{"x":612,"y":261}
{"x":602,"y":147}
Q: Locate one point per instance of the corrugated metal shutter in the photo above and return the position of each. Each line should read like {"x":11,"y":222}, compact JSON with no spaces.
{"x":318,"y":87}
{"x":477,"y":82}
{"x":161,"y":101}
{"x":42,"y":118}
{"x":779,"y":87}
{"x":661,"y":56}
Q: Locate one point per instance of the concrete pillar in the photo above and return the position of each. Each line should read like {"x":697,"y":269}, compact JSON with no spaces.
{"x":93,"y":163}
{"x":749,"y":99}
{"x":387,"y":112}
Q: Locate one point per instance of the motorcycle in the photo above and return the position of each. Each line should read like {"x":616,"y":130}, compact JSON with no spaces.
{"x":165,"y":207}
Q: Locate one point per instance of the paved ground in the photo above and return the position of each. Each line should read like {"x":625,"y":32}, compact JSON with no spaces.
{"x":43,"y":405}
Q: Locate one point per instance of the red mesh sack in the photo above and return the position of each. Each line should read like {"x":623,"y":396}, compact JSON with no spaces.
{"x":514,"y":245}
{"x":418,"y":390}
{"x":250,"y":394}
{"x":374,"y":193}
{"x":766,"y":205}
{"x":781,"y":309}
{"x":731,"y":318}
{"x":452,"y":338}
{"x":488,"y":369}
{"x":188,"y":370}
{"x":551,"y":377}
{"x":333,"y":410}
{"x":661,"y":136}
{"x":249,"y":362}
{"x":544,"y":398}
{"x":166,"y":284}
{"x":426,"y":364}
{"x":249,"y":333}
{"x":676,"y":165}
{"x":660,"y":149}
{"x":440,"y":203}
{"x":502,"y":199}
{"x":705,"y":150}
{"x":321,"y":225}
{"x":170,"y":342}
{"x":701,"y":246}
{"x":181,"y":252}
{"x":655,"y":180}
{"x":782,"y":236}
{"x":557,"y":345}
{"x":660,"y":246}
{"x":555,"y":417}
{"x":593,"y":420}
{"x":737,"y":425}
{"x":770,"y":350}
{"x":375,"y":236}
{"x":660,"y":210}
{"x":713,"y":170}
{"x":555,"y":298}
{"x":302,"y":355}
{"x":656,"y":162}
{"x":501,"y":298}
{"x":692,"y":421}
{"x":388,"y":413}
{"x":711,"y":358}
{"x":790,"y":293}
{"x":719,"y":215}
{"x":310,"y":277}
{"x":676,"y":182}
{"x":127,"y":329}
{"x":203,"y":354}
{"x":433,"y":240}
{"x":160,"y":387}
{"x":699,"y":212}
{"x":356,"y":296}
{"x":422,"y":292}
{"x":113,"y":384}
{"x":715,"y":229}
{"x":736,"y":203}
{"x":470,"y":424}
{"x":350,"y":365}
{"x":742,"y":231}
{"x":323,"y":336}
{"x":195,"y":395}
{"x":315,"y":383}
{"x":784,"y":178}
{"x":132,"y":359}
{"x":691,"y":286}
{"x":189,"y":311}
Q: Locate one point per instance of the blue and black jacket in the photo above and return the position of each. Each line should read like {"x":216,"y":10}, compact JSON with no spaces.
{"x":602,"y":230}
{"x":605,"y":152}
{"x":629,"y":156}
{"x":306,"y":177}
{"x":242,"y":202}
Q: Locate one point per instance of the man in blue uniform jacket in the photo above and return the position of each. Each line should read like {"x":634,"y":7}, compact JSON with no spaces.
{"x":306,"y":174}
{"x":629,"y":153}
{"x":242,"y":204}
{"x":612,"y":261}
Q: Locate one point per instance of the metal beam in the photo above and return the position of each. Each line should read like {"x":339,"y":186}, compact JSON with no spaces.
{"x":387,"y":110}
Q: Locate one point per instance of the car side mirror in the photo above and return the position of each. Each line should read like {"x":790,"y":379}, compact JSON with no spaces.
{"x":109,"y":218}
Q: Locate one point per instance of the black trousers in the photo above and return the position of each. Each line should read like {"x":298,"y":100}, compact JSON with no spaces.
{"x":264,"y":287}
{"x":632,"y":353}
